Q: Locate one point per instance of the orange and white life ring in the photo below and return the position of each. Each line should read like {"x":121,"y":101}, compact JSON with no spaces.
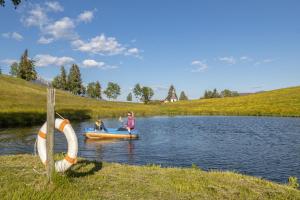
{"x":64,"y":126}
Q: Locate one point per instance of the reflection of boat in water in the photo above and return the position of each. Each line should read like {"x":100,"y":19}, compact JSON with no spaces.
{"x":112,"y":133}
{"x":101,"y":142}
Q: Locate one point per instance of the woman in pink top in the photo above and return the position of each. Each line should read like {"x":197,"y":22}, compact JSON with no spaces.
{"x":130,"y":125}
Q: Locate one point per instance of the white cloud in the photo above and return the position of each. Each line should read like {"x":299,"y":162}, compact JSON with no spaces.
{"x":89,"y":63}
{"x":54,"y":6}
{"x":229,"y":60}
{"x":92,"y":63}
{"x":50,"y":30}
{"x":267,"y":60}
{"x":13,"y":35}
{"x":43,"y":60}
{"x":44,"y":40}
{"x":36,"y":17}
{"x":63,"y":28}
{"x":264,"y":61}
{"x":201,"y":65}
{"x":133,"y":51}
{"x":86,"y":16}
{"x":100,"y":45}
{"x":8,"y":61}
{"x":245,"y":58}
{"x":159,"y":88}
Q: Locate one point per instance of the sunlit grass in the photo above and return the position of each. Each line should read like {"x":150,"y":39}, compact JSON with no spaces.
{"x":22,"y":102}
{"x":23,"y":177}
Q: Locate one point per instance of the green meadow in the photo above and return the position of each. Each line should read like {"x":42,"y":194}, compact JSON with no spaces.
{"x":23,"y":177}
{"x":24,"y":103}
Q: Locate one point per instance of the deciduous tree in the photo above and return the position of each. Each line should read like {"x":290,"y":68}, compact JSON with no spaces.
{"x":14,"y":69}
{"x":147,"y":94}
{"x":112,"y":91}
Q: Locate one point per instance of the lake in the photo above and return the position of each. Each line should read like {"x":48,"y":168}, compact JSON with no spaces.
{"x":267,"y":147}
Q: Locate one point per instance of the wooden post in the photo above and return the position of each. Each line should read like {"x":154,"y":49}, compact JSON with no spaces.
{"x":50,"y":132}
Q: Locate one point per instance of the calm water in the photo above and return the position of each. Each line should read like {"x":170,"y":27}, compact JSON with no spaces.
{"x":259,"y":146}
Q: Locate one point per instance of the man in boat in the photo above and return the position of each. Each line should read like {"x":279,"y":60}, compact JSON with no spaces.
{"x":99,"y":125}
{"x":129,"y":126}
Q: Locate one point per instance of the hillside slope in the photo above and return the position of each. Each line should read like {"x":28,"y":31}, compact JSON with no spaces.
{"x":22,"y":102}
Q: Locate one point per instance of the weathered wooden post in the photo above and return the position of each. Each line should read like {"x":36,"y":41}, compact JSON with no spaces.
{"x":50,"y":132}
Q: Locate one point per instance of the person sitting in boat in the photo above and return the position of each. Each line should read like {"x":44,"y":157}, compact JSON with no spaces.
{"x":99,"y":125}
{"x":129,"y":126}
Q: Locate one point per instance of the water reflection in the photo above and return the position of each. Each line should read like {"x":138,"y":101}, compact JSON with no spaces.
{"x":260,"y":146}
{"x":100,"y":146}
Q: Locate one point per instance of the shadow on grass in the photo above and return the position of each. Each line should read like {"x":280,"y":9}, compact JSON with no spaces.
{"x":84,"y":168}
{"x":13,"y":119}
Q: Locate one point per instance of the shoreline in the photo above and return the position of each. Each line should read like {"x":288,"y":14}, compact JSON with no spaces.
{"x":22,"y":177}
{"x":26,"y":119}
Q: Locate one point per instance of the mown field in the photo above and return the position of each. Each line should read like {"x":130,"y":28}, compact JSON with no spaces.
{"x":24,"y":103}
{"x":23,"y":177}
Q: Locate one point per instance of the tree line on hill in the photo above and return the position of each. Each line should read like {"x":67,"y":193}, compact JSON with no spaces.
{"x":72,"y":82}
{"x":208,"y":94}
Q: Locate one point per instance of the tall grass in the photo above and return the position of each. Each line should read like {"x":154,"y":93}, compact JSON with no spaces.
{"x":23,"y":177}
{"x":22,"y":102}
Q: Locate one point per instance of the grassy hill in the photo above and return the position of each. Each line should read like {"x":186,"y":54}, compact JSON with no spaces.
{"x":23,"y":103}
{"x":23,"y":177}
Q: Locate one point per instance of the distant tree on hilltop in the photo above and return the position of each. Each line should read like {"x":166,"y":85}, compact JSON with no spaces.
{"x":74,"y":80}
{"x":14,"y":69}
{"x":215,"y":94}
{"x":112,"y":91}
{"x":129,"y":97}
{"x":26,"y":68}
{"x":137,"y":91}
{"x":182,"y":96}
{"x":60,"y":81}
{"x":147,"y":94}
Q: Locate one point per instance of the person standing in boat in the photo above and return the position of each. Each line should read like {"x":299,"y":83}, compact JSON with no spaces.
{"x":130,"y":125}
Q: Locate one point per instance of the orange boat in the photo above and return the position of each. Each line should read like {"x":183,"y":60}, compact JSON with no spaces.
{"x":110,"y":134}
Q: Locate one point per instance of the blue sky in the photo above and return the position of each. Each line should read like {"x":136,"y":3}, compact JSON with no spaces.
{"x":245,"y":46}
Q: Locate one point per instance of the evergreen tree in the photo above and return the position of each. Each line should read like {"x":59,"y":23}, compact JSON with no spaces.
{"x":129,"y":97}
{"x":112,"y":91}
{"x":147,"y":94}
{"x":63,"y":79}
{"x":98,"y":90}
{"x":137,"y":91}
{"x":56,"y":82}
{"x":14,"y":69}
{"x":215,"y":94}
{"x":182,"y":96}
{"x":60,"y":81}
{"x":74,"y":80}
{"x":83,"y":90}
{"x":170,"y":93}
{"x":26,"y":68}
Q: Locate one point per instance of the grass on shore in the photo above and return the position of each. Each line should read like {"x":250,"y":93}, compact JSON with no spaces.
{"x":21,"y":178}
{"x":24,"y":103}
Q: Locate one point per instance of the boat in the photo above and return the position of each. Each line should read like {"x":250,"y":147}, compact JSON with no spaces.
{"x":112,"y":133}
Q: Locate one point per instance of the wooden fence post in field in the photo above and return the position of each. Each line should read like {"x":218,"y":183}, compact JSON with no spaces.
{"x":50,"y":132}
